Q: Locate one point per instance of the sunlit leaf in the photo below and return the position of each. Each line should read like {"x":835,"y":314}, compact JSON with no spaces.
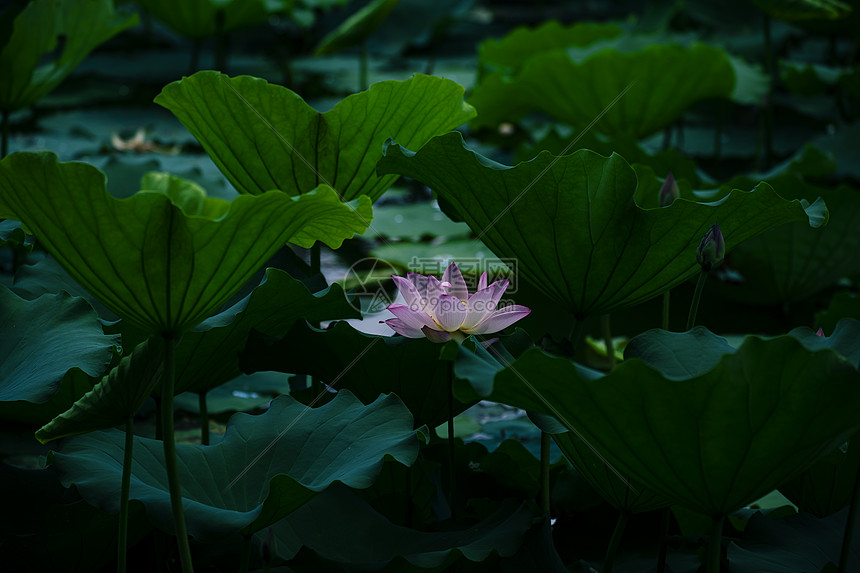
{"x":263,"y":136}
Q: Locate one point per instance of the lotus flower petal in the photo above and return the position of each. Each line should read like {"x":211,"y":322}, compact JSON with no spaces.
{"x":479,"y":307}
{"x":434,"y":335}
{"x":482,"y":282}
{"x":458,"y":288}
{"x":411,"y":317}
{"x":500,"y":319}
{"x":409,"y":292}
{"x":400,"y":328}
{"x":450,"y":312}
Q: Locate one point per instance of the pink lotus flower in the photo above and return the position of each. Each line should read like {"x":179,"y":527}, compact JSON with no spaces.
{"x":444,"y":310}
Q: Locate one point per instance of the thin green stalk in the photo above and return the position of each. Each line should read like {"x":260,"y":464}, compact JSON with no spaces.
{"x":576,"y":332}
{"x":714,"y":545}
{"x":718,"y":132}
{"x":204,"y":418}
{"x":615,"y":541}
{"x":246,"y":554}
{"x":452,"y":481}
{"x":664,"y":540}
{"x":771,"y":72}
{"x":666,"y":301}
{"x":220,"y":42}
{"x":545,"y":441}
{"x":122,"y":538}
{"x":4,"y":149}
{"x":362,"y":67}
{"x":845,"y":554}
{"x":607,"y":340}
{"x":169,"y":441}
{"x":694,"y":305}
{"x":316,"y":268}
{"x":195,"y":57}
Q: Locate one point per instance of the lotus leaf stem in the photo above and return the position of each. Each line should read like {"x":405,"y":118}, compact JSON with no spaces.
{"x":607,"y":340}
{"x":664,"y":539}
{"x":697,"y":295}
{"x":451,"y":475}
{"x":122,"y":537}
{"x":615,"y":541}
{"x":5,"y":144}
{"x":666,"y":296}
{"x":771,"y":71}
{"x":362,"y":67}
{"x":714,"y":545}
{"x":169,"y":441}
{"x":246,"y":553}
{"x":545,"y":441}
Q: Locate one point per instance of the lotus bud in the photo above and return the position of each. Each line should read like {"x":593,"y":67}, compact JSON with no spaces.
{"x":820,"y":333}
{"x":712,"y":249}
{"x":669,"y":192}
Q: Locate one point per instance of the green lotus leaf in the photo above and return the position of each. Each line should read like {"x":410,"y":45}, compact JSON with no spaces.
{"x":341,"y":527}
{"x":263,"y":136}
{"x":512,"y":51}
{"x":366,"y":365}
{"x":843,"y":305}
{"x":826,"y":487}
{"x":265,"y":467}
{"x":71,"y":388}
{"x":712,"y":442}
{"x":357,"y":28}
{"x":793,"y":262}
{"x":162,"y":265}
{"x":659,"y":83}
{"x":796,"y":10}
{"x":573,"y":226}
{"x":27,"y":73}
{"x":845,"y":339}
{"x":199,"y":19}
{"x":116,"y":397}
{"x":208,"y":356}
{"x":43,"y":339}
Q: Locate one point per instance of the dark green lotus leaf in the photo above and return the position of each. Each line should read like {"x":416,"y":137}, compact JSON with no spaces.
{"x":679,"y":355}
{"x":512,"y":51}
{"x":659,"y":83}
{"x":826,"y":487}
{"x":712,"y":442}
{"x":116,"y":397}
{"x":198,"y":19}
{"x":366,"y":365}
{"x":573,"y":226}
{"x":845,"y":339}
{"x":799,"y":542}
{"x":164,"y":260}
{"x":357,"y":28}
{"x":71,"y":388}
{"x":42,"y":339}
{"x":340,"y":527}
{"x":843,"y":305}
{"x":793,"y":262}
{"x":11,"y":234}
{"x":208,"y":356}
{"x":798,"y":10}
{"x":265,"y":467}
{"x":263,"y":136}
{"x":27,"y":72}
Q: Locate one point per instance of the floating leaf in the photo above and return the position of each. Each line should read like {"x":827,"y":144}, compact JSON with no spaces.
{"x":278,"y":460}
{"x":164,"y":261}
{"x":633,"y":93}
{"x":116,"y":397}
{"x":26,"y":74}
{"x":43,"y":339}
{"x":712,"y":442}
{"x":263,"y":136}
{"x":357,"y":28}
{"x":572,"y":224}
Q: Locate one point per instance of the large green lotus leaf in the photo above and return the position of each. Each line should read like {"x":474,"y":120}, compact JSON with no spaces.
{"x":162,"y":259}
{"x":78,"y":26}
{"x":793,"y":262}
{"x":366,"y":365}
{"x":263,"y":136}
{"x":663,"y":81}
{"x":844,"y":304}
{"x":116,"y":397}
{"x":341,"y":527}
{"x":71,"y":388}
{"x":826,"y":487}
{"x":278,"y":461}
{"x":845,"y":339}
{"x":679,"y":355}
{"x":42,"y":339}
{"x":198,"y":19}
{"x":713,"y":442}
{"x":357,"y":28}
{"x":512,"y":51}
{"x":573,"y":226}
